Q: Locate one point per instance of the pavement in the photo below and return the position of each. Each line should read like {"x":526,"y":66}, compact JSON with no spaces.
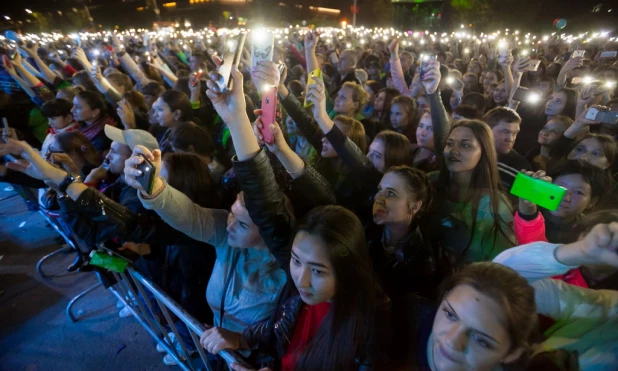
{"x":35,"y":333}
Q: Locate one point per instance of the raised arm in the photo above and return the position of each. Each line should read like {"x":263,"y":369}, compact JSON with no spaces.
{"x":264,"y":199}
{"x":311,"y":42}
{"x":46,"y":72}
{"x":128,"y":63}
{"x":396,"y":71}
{"x":556,"y":299}
{"x":569,"y":66}
{"x":356,"y":161}
{"x":439,"y":117}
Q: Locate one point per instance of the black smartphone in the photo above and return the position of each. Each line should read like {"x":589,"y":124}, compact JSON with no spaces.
{"x":521,"y":93}
{"x":146,"y":180}
{"x":232,"y":50}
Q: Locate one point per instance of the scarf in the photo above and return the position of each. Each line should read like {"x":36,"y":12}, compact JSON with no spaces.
{"x":91,"y":131}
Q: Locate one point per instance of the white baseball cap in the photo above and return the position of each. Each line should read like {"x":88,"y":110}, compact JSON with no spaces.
{"x":132,"y":137}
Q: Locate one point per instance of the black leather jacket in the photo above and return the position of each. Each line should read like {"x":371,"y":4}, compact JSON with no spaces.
{"x":275,"y":334}
{"x":416,"y":267}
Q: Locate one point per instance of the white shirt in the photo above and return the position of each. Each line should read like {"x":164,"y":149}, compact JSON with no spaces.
{"x":587,"y":320}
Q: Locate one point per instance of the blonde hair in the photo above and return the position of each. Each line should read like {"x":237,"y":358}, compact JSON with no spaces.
{"x":359,"y":95}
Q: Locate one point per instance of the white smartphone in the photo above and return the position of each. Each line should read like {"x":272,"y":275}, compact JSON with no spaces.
{"x":533,"y":65}
{"x":262,"y":46}
{"x":578,"y":53}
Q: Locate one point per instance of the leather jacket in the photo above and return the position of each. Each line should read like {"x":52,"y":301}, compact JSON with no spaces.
{"x":266,"y":202}
{"x":416,"y":267}
{"x":275,"y":334}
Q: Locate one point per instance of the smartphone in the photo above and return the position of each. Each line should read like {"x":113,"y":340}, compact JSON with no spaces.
{"x":602,"y":116}
{"x":577,"y":80}
{"x":456,"y":84}
{"x":262,"y":47}
{"x":521,"y":94}
{"x":425,"y":66}
{"x":578,"y":53}
{"x":231,"y":57}
{"x":311,"y":79}
{"x":198,"y":74}
{"x":610,"y":54}
{"x":533,"y":65}
{"x":269,"y":110}
{"x":544,"y":194}
{"x":146,"y":180}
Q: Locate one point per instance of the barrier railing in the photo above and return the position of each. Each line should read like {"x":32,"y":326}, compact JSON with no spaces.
{"x":145,"y":300}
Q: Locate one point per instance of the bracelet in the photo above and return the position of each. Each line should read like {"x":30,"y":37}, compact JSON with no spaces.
{"x":157,"y":193}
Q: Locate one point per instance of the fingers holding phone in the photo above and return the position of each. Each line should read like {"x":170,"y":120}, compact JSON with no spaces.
{"x":142,"y":170}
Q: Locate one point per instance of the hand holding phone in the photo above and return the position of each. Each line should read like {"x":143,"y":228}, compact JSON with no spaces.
{"x":269,"y":111}
{"x":540,"y":192}
{"x":232,"y":52}
{"x":425,"y":65}
{"x":148,"y":169}
{"x":311,"y":79}
{"x":602,"y":115}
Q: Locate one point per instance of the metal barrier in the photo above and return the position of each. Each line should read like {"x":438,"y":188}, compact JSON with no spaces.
{"x":133,"y":290}
{"x":74,"y":243}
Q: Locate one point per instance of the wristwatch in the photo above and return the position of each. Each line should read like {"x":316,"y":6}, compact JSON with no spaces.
{"x":70,"y":179}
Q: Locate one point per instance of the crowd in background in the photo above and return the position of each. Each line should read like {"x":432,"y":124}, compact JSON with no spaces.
{"x":371,"y":226}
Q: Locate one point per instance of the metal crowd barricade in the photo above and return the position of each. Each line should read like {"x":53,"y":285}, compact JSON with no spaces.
{"x":133,"y":289}
{"x":71,"y":243}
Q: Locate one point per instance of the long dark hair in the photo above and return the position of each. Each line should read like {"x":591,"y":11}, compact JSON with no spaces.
{"x":570,"y":107}
{"x":177,"y":100}
{"x":348,"y":329}
{"x":389,"y":95}
{"x":189,"y":174}
{"x":76,"y":141}
{"x":396,"y":149}
{"x":485,"y":179}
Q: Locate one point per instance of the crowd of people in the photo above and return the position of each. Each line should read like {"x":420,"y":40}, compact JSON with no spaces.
{"x":371,"y":226}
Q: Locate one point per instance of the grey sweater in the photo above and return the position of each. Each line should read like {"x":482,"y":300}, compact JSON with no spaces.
{"x":257,"y":278}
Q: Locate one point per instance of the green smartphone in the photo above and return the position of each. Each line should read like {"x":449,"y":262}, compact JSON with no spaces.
{"x":544,"y":194}
{"x":313,"y":75}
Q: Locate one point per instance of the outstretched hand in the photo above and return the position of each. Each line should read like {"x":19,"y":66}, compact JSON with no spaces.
{"x":131,"y":173}
{"x":31,"y":163}
{"x":432,"y":77}
{"x":229,"y":105}
{"x":316,"y":94}
{"x":278,"y":144}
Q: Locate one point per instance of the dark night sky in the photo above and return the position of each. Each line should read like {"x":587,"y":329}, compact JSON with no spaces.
{"x":17,"y":7}
{"x":551,"y":8}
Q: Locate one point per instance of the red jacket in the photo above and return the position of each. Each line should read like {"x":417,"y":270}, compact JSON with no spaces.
{"x":527,"y":231}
